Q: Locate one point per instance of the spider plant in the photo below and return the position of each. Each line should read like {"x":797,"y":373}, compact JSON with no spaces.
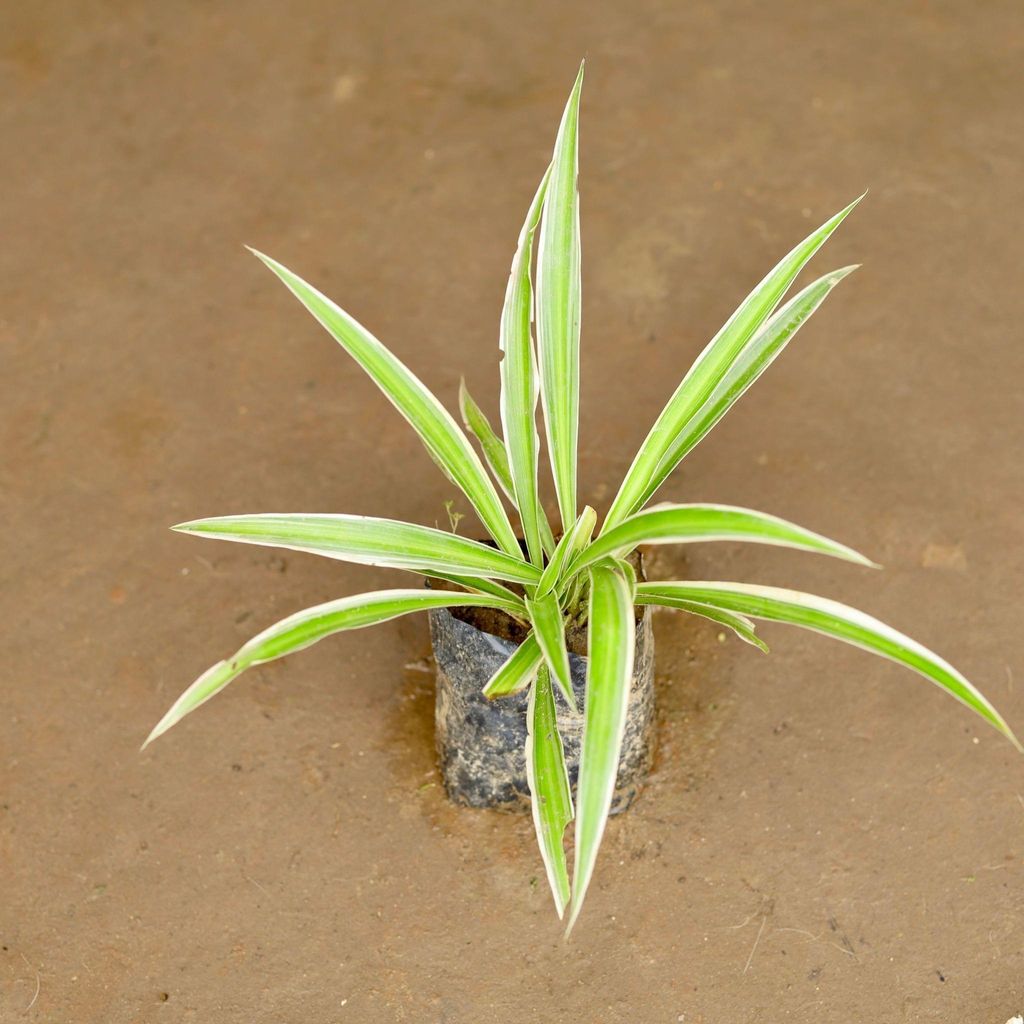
{"x":569,"y":571}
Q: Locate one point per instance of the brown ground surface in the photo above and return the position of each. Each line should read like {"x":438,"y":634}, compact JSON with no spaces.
{"x":825,"y":839}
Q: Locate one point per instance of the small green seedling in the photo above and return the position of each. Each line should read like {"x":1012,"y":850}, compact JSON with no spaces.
{"x":583,"y":577}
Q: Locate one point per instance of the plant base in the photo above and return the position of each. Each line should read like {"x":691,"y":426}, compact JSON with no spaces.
{"x":480,"y":742}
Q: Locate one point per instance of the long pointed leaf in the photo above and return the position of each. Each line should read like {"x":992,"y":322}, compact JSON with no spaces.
{"x":558,"y":307}
{"x":758,"y":355}
{"x":548,"y":779}
{"x":832,"y":619}
{"x":628,"y":574}
{"x":571,"y":542}
{"x":491,"y":445}
{"x":519,"y":382}
{"x":496,"y":453}
{"x":739,"y":624}
{"x":444,"y":440}
{"x":669,"y":524}
{"x":711,"y":365}
{"x":518,"y":671}
{"x":307,"y":627}
{"x":549,"y":628}
{"x":482,"y":586}
{"x":612,"y":635}
{"x":370,"y":541}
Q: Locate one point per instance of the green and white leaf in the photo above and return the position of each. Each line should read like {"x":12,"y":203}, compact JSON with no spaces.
{"x":519,"y":382}
{"x":479,"y":585}
{"x":442,"y":436}
{"x":610,"y":651}
{"x":628,"y":574}
{"x":496,"y":454}
{"x":548,"y":780}
{"x":670,"y":524}
{"x":306,"y":628}
{"x":754,"y":359}
{"x":518,"y":671}
{"x":490,"y":444}
{"x":831,"y":619}
{"x":572,"y":541}
{"x":549,"y":629}
{"x":558,"y":308}
{"x":711,"y":366}
{"x":370,"y":541}
{"x":739,"y":624}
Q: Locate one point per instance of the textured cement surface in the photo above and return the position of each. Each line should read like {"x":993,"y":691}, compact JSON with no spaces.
{"x":826,"y":839}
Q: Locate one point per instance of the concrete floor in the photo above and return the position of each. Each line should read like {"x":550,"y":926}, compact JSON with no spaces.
{"x":825,"y":839}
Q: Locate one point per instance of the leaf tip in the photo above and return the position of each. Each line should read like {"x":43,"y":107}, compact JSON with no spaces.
{"x":574,"y":913}
{"x":869,"y":563}
{"x":577,"y":87}
{"x":267,"y":261}
{"x":846,"y":210}
{"x":837,"y":275}
{"x":851,"y":555}
{"x":158,"y":730}
{"x":1012,"y":737}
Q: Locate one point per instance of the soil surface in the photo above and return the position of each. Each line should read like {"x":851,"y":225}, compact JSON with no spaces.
{"x":825,"y":838}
